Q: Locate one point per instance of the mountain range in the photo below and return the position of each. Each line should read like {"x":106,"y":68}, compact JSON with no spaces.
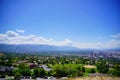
{"x":32,"y":48}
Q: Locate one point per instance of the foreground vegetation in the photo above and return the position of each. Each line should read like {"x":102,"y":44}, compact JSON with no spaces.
{"x":34,"y":66}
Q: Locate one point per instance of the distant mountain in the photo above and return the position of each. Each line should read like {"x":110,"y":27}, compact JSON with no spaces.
{"x":32,"y":48}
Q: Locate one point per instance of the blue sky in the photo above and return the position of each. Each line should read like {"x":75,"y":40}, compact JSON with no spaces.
{"x":81,"y":21}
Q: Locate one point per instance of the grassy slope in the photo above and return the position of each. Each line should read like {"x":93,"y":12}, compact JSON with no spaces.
{"x":96,"y":78}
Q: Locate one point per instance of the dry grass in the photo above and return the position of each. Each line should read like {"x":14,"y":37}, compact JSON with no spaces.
{"x":1,"y":54}
{"x":96,"y":78}
{"x":90,"y":66}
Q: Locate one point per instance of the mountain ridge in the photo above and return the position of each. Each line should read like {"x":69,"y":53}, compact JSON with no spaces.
{"x":32,"y":48}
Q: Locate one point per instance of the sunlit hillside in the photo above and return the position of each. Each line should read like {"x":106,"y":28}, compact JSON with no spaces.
{"x":96,"y":78}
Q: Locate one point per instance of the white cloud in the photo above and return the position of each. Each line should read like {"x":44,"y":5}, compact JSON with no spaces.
{"x":112,"y":44}
{"x":11,"y":33}
{"x":117,"y":36}
{"x":96,"y":45}
{"x":12,"y":37}
{"x":20,"y":31}
{"x":66,"y":42}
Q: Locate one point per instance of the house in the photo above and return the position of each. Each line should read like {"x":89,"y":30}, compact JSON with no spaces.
{"x":6,"y":68}
{"x":31,"y":65}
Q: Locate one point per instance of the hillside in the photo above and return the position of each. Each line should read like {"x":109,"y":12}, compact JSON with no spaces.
{"x":96,"y":78}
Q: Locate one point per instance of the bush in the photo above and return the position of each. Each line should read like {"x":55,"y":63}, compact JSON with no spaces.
{"x":90,"y":70}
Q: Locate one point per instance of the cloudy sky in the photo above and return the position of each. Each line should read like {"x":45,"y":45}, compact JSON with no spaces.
{"x":77,"y":23}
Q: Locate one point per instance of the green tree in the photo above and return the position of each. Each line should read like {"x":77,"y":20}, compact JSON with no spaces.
{"x":24,"y":69}
{"x":23,"y":66}
{"x":39,"y":72}
{"x":59,"y":71}
{"x":25,"y":72}
{"x":92,"y":70}
{"x":116,"y":70}
{"x":16,"y":74}
{"x":70,"y":70}
{"x":102,"y":67}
